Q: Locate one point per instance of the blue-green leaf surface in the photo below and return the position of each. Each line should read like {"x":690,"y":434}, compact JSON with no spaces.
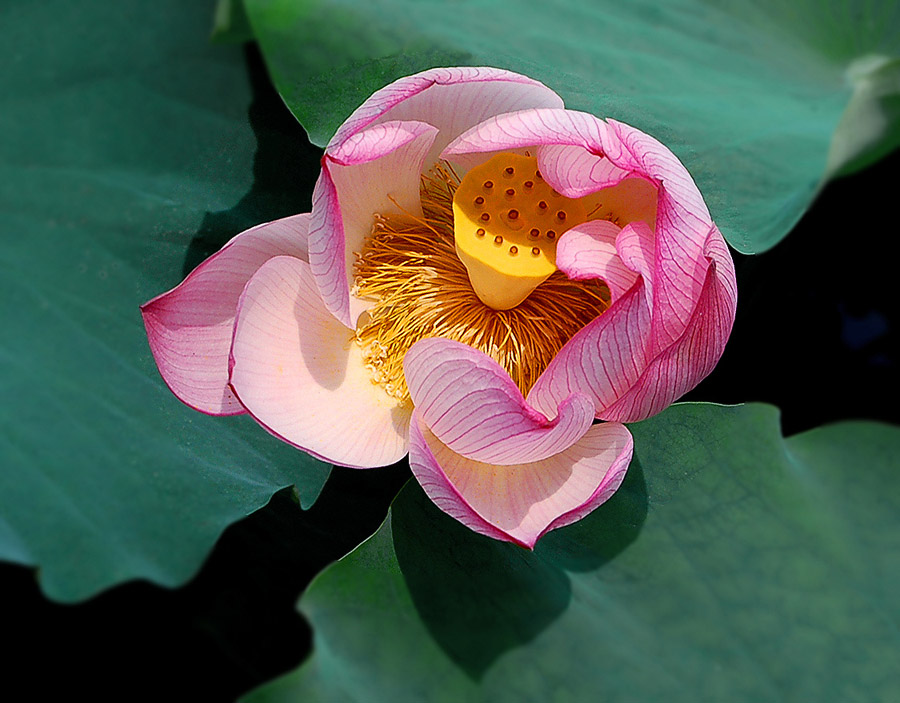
{"x":126,"y":155}
{"x":732,"y":565}
{"x":750,"y":95}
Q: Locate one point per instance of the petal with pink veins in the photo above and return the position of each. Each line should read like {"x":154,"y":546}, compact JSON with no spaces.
{"x":521,"y":503}
{"x":575,"y":172}
{"x":190,"y":327}
{"x":603,"y":360}
{"x":301,"y":375}
{"x":589,"y":251}
{"x":472,"y":405}
{"x":606,"y":357}
{"x":374,"y":171}
{"x":531,"y":128}
{"x":683,"y":364}
{"x":612,"y":359}
{"x":682,"y":225}
{"x":535,"y":129}
{"x":451,"y":99}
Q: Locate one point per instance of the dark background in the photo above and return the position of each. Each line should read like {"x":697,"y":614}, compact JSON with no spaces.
{"x":816,"y":335}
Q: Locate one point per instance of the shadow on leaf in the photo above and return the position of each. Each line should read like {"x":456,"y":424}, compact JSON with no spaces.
{"x":285,"y":168}
{"x":479,"y":597}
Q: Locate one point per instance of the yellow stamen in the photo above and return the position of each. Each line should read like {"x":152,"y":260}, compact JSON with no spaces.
{"x":410,"y":269}
{"x":522,"y":211}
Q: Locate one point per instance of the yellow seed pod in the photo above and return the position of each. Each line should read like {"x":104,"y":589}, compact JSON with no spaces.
{"x":506,"y":223}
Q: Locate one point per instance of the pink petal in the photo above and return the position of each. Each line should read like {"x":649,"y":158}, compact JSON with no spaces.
{"x":529,"y":128}
{"x":604,"y":360}
{"x":589,"y":251}
{"x":576,"y":171}
{"x":451,"y":99}
{"x":521,"y":503}
{"x":682,"y":226}
{"x":535,"y":129}
{"x":682,"y":365}
{"x":473,"y":406}
{"x":373,"y":171}
{"x":300,"y":374}
{"x":613,"y":359}
{"x":190,"y":327}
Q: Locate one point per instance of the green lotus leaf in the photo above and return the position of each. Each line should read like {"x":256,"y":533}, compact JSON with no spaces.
{"x":761,"y":101}
{"x":127,"y":156}
{"x":732,"y":564}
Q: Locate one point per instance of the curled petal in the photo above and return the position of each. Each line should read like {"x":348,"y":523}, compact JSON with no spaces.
{"x":542,"y":127}
{"x":682,"y":227}
{"x":682,"y":365}
{"x":612,"y":358}
{"x":589,"y":251}
{"x":300,"y":374}
{"x":373,"y":171}
{"x":468,"y":401}
{"x":190,"y":327}
{"x":571,"y":154}
{"x":450,"y":99}
{"x":529,"y":128}
{"x":521,"y":503}
{"x":604,"y":359}
{"x":575,"y":171}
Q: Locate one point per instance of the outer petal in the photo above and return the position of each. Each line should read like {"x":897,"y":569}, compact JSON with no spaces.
{"x":190,"y":327}
{"x":682,"y":227}
{"x":613,"y":358}
{"x":298,"y":372}
{"x":589,"y":251}
{"x":374,"y":171}
{"x":472,"y":405}
{"x":521,"y":503}
{"x":451,"y":99}
{"x":686,"y":362}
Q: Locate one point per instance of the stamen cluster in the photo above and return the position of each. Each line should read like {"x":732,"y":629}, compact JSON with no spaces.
{"x":410,"y":269}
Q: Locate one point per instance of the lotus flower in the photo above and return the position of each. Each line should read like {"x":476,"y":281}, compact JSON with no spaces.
{"x":483,"y":275}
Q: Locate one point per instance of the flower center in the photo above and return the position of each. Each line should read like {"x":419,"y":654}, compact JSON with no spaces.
{"x":410,"y":269}
{"x":506,"y":223}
